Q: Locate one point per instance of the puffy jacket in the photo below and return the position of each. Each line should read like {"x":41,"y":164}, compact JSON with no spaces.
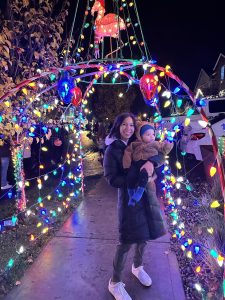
{"x":143,"y":221}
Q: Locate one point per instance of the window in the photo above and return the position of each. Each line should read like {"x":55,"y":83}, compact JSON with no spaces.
{"x":217,"y":106}
{"x":222,"y":73}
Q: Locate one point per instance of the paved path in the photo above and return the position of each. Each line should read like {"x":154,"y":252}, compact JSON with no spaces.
{"x":77,"y":263}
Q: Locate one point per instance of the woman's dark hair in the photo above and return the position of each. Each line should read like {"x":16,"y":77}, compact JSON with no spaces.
{"x":115,"y":130}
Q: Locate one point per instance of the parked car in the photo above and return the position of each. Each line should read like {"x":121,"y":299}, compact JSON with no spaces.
{"x":194,"y":135}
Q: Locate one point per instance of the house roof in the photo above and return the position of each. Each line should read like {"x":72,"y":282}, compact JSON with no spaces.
{"x":218,"y":59}
{"x":201,"y":75}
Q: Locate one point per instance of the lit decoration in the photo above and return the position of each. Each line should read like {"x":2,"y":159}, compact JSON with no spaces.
{"x":166,"y":94}
{"x":10,"y":263}
{"x":214,"y":253}
{"x":187,"y":121}
{"x":179,"y":103}
{"x":148,"y":86}
{"x":17,"y":158}
{"x":200,"y":102}
{"x":224,"y":288}
{"x":167,"y":103}
{"x":202,"y":123}
{"x":105,"y":25}
{"x":176,"y":90}
{"x":210,"y":230}
{"x":215,"y":204}
{"x":65,"y":88}
{"x":74,"y":183}
{"x":189,"y":254}
{"x":198,"y":287}
{"x":212,"y":171}
{"x":77,"y":96}
{"x":178,"y":165}
{"x":190,"y":112}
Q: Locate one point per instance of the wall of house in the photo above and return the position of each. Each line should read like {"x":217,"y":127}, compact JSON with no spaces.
{"x":212,"y":85}
{"x":220,"y":83}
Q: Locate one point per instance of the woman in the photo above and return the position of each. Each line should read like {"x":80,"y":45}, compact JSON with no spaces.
{"x":139,"y":223}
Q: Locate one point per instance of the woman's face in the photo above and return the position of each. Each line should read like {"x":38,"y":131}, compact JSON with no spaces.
{"x":127,"y":129}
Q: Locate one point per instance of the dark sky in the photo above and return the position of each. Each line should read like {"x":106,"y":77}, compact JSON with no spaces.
{"x":183,"y":35}
{"x":187,"y":35}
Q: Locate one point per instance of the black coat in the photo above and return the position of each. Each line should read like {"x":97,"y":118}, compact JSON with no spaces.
{"x":143,"y":221}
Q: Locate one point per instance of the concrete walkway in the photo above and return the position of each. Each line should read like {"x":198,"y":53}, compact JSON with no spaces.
{"x":77,"y":263}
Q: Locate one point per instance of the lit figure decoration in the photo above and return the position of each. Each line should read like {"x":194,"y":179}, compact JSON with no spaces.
{"x":105,"y":25}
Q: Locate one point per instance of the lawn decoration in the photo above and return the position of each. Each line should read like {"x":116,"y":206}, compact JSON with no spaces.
{"x":105,"y":25}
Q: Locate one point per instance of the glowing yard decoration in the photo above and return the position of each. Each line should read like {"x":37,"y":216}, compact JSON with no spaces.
{"x":105,"y":25}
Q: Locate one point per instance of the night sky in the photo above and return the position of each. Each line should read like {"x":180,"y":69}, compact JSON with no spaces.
{"x":181,"y":34}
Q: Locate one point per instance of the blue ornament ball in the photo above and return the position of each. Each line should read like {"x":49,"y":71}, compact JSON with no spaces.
{"x":65,"y":86}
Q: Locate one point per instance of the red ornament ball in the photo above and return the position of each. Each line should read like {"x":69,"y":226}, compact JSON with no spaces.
{"x":148,"y":85}
{"x":77,"y":96}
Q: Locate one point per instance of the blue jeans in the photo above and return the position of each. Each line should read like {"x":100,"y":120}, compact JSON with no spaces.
{"x":4,"y":170}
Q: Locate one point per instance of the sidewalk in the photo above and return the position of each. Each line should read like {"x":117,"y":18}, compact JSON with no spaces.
{"x":77,"y":262}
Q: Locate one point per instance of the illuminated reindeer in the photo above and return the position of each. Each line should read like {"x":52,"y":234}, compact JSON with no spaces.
{"x":105,"y":25}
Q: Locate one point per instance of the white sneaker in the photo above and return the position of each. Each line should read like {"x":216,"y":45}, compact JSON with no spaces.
{"x":6,"y":187}
{"x":142,"y":276}
{"x":118,"y":291}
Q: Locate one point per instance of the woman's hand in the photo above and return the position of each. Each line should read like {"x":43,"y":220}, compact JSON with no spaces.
{"x":148,"y":166}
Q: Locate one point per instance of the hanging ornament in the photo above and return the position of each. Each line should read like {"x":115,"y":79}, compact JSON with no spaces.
{"x":77,"y":96}
{"x":65,"y":87}
{"x":148,"y":86}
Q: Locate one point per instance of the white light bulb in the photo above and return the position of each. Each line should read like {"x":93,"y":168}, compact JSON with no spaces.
{"x":179,"y":201}
{"x":180,"y":179}
{"x":178,"y":185}
{"x":202,"y":123}
{"x":198,"y":287}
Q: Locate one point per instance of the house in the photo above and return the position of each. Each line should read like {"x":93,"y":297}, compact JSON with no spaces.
{"x":212,"y":88}
{"x":212,"y":85}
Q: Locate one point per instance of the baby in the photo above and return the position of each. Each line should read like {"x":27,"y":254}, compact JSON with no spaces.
{"x":136,"y":154}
